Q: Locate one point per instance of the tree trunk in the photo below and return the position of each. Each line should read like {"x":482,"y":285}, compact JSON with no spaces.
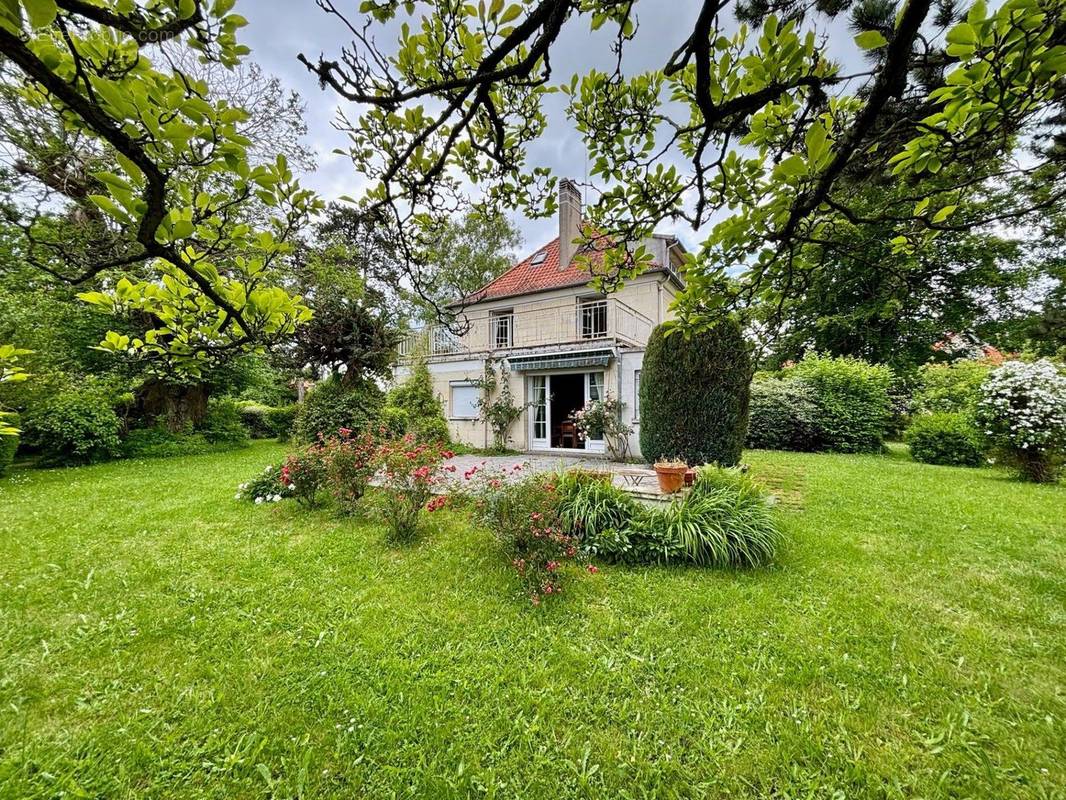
{"x":176,"y":407}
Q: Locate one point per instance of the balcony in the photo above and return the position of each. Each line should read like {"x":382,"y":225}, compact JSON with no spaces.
{"x":536,"y":325}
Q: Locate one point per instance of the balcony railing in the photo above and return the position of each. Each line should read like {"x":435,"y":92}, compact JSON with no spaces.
{"x":537,"y":325}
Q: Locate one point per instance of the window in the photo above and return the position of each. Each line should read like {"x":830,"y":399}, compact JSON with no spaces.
{"x":502,"y":328}
{"x":595,"y":384}
{"x":636,"y":394}
{"x":592,"y":318}
{"x":464,"y":400}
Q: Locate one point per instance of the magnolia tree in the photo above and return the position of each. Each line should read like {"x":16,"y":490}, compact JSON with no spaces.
{"x":189,"y":222}
{"x":1023,"y":410}
{"x":748,"y":130}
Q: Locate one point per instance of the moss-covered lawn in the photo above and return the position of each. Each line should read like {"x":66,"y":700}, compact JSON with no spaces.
{"x":159,"y":639}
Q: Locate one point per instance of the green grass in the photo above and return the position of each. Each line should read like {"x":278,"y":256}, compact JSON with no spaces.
{"x":160,"y":640}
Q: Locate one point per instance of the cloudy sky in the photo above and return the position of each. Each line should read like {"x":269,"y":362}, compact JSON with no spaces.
{"x":280,"y":29}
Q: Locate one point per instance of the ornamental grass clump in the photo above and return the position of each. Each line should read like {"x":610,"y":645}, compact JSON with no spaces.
{"x":1023,"y":411}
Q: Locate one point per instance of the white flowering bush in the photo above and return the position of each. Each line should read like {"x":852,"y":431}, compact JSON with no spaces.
{"x":266,"y":487}
{"x":1023,"y":409}
{"x":602,"y":419}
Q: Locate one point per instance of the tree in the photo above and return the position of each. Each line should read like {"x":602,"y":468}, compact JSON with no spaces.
{"x":750,"y":134}
{"x":174,"y":212}
{"x":465,"y":255}
{"x":694,"y":395}
{"x":353,"y":331}
{"x":863,"y":299}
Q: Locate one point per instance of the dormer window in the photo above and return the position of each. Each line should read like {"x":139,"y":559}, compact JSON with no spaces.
{"x":502,"y":328}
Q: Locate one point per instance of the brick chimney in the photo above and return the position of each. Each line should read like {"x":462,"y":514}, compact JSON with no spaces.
{"x":569,"y":220}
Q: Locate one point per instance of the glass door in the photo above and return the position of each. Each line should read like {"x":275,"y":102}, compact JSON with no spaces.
{"x":594,"y":392}
{"x":539,"y":412}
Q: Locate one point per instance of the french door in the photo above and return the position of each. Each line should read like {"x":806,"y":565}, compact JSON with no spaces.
{"x":541,"y":420}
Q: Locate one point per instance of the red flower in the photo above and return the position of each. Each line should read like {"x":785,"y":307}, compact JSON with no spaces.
{"x":592,"y":569}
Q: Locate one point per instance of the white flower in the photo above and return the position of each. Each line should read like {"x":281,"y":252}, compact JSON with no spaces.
{"x":258,"y":500}
{"x":237,"y":496}
{"x":276,"y":498}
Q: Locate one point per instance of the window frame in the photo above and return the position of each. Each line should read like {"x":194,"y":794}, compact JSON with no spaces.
{"x":494,"y":318}
{"x":594,"y":307}
{"x":452,"y":386}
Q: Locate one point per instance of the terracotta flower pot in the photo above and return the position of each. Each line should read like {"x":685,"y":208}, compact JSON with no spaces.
{"x":671,"y":479}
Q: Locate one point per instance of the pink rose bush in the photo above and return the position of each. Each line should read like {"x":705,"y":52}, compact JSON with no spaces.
{"x":522,"y":511}
{"x":410,"y":474}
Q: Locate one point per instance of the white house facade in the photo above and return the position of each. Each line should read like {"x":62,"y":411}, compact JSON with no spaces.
{"x":563,"y":344}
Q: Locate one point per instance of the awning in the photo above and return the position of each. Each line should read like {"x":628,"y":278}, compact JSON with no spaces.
{"x":569,"y":360}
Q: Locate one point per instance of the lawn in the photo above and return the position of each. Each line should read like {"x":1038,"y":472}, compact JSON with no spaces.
{"x":159,"y":639}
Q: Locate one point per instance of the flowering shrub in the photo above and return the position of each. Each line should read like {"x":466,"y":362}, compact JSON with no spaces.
{"x":410,"y":472}
{"x":304,"y":474}
{"x":266,"y":487}
{"x":602,"y":419}
{"x":1023,"y":409}
{"x":524,"y":515}
{"x":351,"y":462}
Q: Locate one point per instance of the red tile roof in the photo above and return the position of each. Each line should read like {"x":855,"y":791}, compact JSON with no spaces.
{"x":526,"y":277}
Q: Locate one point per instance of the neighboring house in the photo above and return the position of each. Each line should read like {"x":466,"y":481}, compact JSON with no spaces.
{"x":563,"y":344}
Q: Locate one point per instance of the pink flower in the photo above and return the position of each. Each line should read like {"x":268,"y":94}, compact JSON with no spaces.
{"x":592,"y":569}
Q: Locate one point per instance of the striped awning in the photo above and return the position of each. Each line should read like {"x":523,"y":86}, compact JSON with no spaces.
{"x":568,"y":360}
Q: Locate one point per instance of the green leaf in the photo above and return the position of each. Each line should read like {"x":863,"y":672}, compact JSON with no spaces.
{"x":963,"y":33}
{"x":10,"y":16}
{"x":870,"y":40}
{"x":41,"y":13}
{"x":944,"y":213}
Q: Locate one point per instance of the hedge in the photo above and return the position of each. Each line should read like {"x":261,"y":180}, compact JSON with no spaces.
{"x":852,"y":399}
{"x":694,"y":395}
{"x":946,"y":437}
{"x":784,"y":416}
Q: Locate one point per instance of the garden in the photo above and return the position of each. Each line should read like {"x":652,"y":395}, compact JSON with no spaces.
{"x":263,"y":529}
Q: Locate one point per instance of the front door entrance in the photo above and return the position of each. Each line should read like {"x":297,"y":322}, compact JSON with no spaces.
{"x":554,"y":399}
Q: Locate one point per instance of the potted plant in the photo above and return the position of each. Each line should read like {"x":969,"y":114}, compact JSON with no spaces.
{"x":671,"y":474}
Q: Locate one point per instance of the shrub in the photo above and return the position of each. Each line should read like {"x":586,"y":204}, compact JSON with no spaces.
{"x":74,"y":426}
{"x":496,"y":405}
{"x":266,"y":487}
{"x":332,"y":405}
{"x":223,"y":425}
{"x":954,"y":387}
{"x":602,"y":419}
{"x":598,"y":513}
{"x":303,"y":475}
{"x":425,"y":413}
{"x":351,"y":462}
{"x":949,"y":438}
{"x":158,"y":442}
{"x":1023,"y":409}
{"x":410,"y":471}
{"x":9,"y":440}
{"x":852,"y":400}
{"x":694,"y":394}
{"x":256,"y":421}
{"x":524,"y":516}
{"x":280,"y":421}
{"x":395,"y":420}
{"x":784,"y":416}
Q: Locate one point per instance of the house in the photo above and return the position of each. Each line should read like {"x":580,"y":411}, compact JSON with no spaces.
{"x":563,"y":344}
